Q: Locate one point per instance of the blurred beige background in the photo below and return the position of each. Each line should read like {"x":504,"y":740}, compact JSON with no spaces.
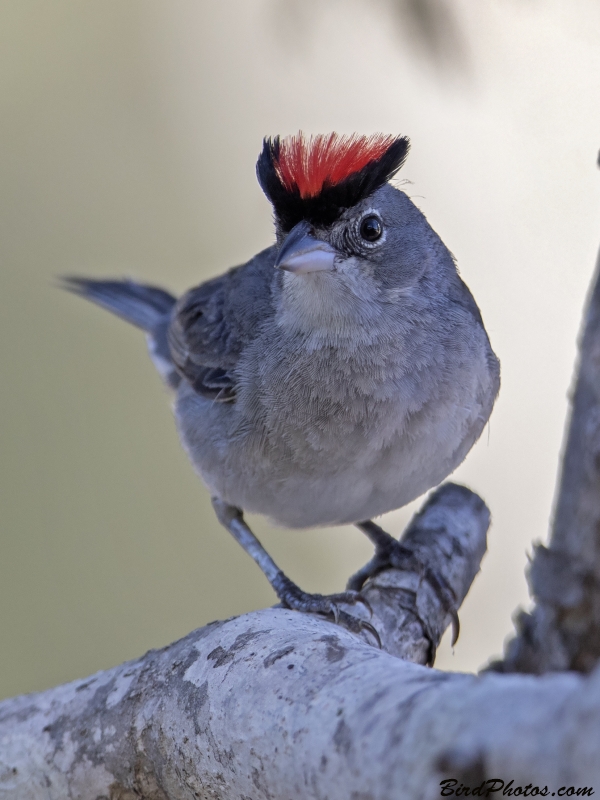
{"x":129,"y":132}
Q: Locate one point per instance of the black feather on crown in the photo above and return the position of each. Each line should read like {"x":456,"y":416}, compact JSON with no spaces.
{"x":317,"y":179}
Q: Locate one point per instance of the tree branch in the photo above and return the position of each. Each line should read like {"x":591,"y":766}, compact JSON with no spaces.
{"x":563,"y":630}
{"x":272,"y":704}
{"x":277,"y":704}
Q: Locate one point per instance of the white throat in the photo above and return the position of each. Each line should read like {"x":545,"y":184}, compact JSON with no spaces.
{"x":331,"y":307}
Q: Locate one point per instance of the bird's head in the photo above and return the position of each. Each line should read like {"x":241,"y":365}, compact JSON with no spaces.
{"x":342,"y":230}
{"x":346,"y":238}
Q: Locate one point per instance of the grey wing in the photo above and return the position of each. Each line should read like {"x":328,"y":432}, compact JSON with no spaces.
{"x":198,"y":339}
{"x":213,"y":322}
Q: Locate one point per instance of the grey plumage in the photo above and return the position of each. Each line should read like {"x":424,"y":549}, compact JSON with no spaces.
{"x":328,"y":396}
{"x":356,"y":390}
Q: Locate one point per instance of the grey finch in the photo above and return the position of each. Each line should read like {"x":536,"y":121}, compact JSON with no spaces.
{"x":338,"y":374}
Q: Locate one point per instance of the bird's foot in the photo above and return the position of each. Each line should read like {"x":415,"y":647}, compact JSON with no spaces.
{"x":293,"y":597}
{"x":390,"y":554}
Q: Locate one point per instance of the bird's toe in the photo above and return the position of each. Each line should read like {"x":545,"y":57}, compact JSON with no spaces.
{"x":329,"y":606}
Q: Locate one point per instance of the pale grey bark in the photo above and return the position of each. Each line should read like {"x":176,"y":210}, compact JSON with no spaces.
{"x":279,"y":705}
{"x":563,"y":630}
{"x":272,"y":704}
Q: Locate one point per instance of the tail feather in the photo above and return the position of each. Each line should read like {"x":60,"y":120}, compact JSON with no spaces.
{"x":146,"y":307}
{"x":143,"y":306}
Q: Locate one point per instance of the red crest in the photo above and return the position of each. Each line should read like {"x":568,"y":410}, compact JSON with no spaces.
{"x":316,"y":178}
{"x":326,"y":159}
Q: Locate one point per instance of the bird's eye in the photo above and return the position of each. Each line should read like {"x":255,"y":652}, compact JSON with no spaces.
{"x":371,"y":228}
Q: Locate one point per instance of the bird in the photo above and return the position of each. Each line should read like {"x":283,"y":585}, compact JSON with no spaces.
{"x":337,"y":375}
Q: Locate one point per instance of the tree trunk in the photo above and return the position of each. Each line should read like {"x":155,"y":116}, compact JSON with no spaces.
{"x":563,"y":631}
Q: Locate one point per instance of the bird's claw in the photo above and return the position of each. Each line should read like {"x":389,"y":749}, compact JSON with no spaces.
{"x":357,"y":625}
{"x":396,"y":556}
{"x":291,"y":596}
{"x":455,"y":626}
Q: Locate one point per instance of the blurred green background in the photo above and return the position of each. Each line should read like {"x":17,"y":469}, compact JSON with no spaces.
{"x":129,"y":133}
